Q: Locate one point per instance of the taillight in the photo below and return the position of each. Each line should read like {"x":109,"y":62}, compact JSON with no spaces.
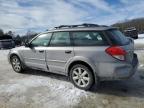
{"x":116,"y":52}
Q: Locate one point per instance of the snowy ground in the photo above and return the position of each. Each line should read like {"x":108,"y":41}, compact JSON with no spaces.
{"x":36,"y":89}
{"x":140,"y":39}
{"x":139,"y":43}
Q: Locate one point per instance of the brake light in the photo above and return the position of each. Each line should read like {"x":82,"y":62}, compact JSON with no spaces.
{"x":116,"y":52}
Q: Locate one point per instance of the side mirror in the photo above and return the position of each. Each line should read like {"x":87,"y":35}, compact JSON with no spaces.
{"x":27,"y":44}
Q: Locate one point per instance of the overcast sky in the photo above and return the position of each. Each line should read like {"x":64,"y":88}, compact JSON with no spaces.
{"x":39,"y":15}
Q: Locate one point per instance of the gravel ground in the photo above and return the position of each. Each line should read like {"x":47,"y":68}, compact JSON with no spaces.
{"x":35,"y":89}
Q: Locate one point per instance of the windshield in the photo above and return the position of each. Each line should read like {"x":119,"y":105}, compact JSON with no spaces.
{"x":117,"y":37}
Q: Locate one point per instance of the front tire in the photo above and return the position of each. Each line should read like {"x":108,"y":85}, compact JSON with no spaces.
{"x":81,"y":77}
{"x":16,"y":64}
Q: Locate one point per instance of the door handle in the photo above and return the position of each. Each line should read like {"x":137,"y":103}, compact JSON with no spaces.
{"x":68,"y":51}
{"x":41,"y":51}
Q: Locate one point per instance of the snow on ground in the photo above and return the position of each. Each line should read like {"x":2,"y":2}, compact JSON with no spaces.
{"x":65,"y":92}
{"x":140,"y":39}
{"x":139,"y":43}
{"x":141,"y":35}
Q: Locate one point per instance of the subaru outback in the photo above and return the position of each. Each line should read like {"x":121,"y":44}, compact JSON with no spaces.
{"x":86,"y":53}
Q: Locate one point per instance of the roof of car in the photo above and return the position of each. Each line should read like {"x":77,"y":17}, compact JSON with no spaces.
{"x":82,"y":27}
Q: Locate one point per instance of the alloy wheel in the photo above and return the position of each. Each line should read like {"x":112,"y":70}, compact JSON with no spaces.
{"x":16,"y":64}
{"x":80,"y":77}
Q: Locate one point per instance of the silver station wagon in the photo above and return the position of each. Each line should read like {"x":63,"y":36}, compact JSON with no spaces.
{"x":86,"y":53}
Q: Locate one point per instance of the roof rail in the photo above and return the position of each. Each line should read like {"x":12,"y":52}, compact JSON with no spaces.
{"x":90,"y":25}
{"x":80,"y":25}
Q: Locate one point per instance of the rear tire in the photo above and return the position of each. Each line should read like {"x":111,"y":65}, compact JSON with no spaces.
{"x":82,"y":77}
{"x":16,"y":64}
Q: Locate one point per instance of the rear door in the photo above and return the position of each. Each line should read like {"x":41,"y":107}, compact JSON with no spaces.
{"x":59,"y":52}
{"x":119,"y":39}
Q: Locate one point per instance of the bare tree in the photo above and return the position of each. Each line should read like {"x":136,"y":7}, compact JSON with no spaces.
{"x":10,"y":33}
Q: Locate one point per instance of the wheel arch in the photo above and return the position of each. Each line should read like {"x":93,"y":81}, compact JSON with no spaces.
{"x":21,"y":60}
{"x":89,"y":65}
{"x":13,"y":54}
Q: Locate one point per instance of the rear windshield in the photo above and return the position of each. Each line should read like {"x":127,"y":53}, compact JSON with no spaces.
{"x":117,"y":37}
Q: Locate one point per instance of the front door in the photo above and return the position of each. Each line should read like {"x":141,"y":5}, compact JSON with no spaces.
{"x":34,"y":55}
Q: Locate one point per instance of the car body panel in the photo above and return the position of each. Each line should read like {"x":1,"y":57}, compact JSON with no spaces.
{"x":57,"y":59}
{"x":34,"y":57}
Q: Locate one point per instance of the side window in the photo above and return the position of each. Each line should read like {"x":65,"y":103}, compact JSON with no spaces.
{"x":42,"y":40}
{"x":90,"y":38}
{"x":60,"y":39}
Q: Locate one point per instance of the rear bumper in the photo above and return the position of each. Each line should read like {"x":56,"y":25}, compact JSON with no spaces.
{"x":126,"y":72}
{"x":119,"y":71}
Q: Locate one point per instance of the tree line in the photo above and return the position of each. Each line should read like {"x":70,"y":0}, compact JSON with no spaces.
{"x":19,"y":40}
{"x":138,"y":23}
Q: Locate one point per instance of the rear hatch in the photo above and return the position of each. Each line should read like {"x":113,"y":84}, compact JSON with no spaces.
{"x":119,"y":39}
